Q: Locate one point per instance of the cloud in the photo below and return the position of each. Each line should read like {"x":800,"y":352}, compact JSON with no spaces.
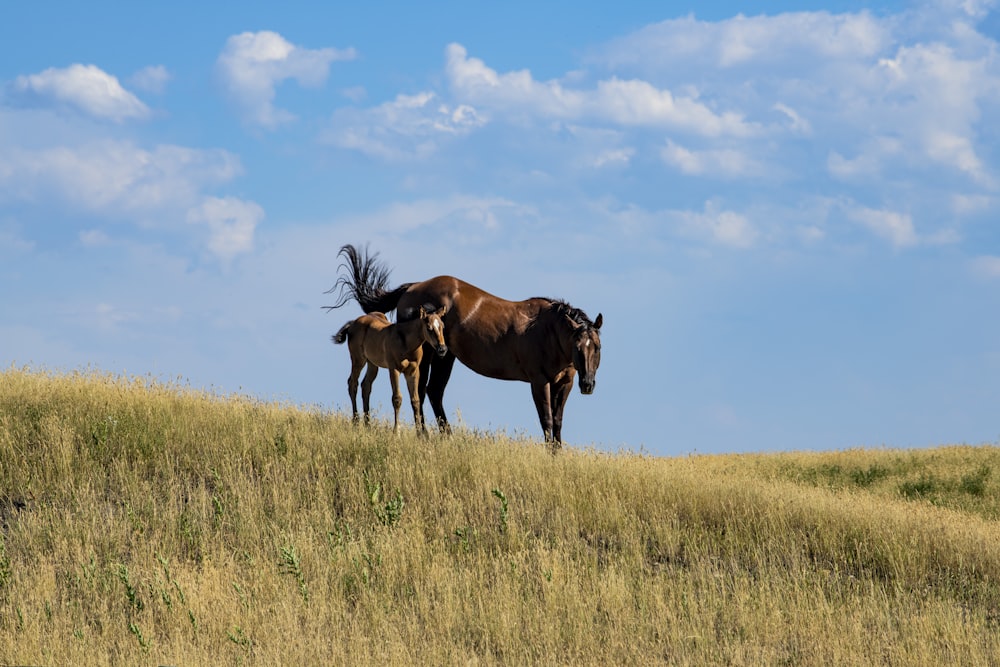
{"x":629,"y":103}
{"x":796,"y":123}
{"x":83,"y":88}
{"x":721,"y":162}
{"x":613,"y":157}
{"x":152,"y":79}
{"x":120,"y":182}
{"x":408,"y":127}
{"x":986,"y":266}
{"x":793,"y":40}
{"x":855,"y":82}
{"x":464,"y":215}
{"x":12,"y":243}
{"x":252,"y":64}
{"x":939,"y":93}
{"x":115,"y":178}
{"x":231,"y":223}
{"x":868,"y":163}
{"x":723,"y":227}
{"x":897,"y":228}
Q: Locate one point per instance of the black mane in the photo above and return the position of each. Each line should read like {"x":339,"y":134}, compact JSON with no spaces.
{"x":561,"y":307}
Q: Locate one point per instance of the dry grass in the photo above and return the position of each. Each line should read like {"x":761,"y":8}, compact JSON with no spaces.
{"x":152,"y":524}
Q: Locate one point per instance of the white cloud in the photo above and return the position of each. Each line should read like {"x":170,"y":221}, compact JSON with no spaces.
{"x":252,"y":64}
{"x":460,"y":212}
{"x":118,"y":181}
{"x":883,"y":94}
{"x":152,"y":79}
{"x":722,"y":162}
{"x":94,"y":238}
{"x":986,"y":266}
{"x":114,"y":178}
{"x":231,"y":223}
{"x":965,"y":204}
{"x":723,"y":227}
{"x":614,"y":157}
{"x":408,"y":127}
{"x":796,"y":123}
{"x":84,"y":88}
{"x":11,"y":241}
{"x":933,"y":95}
{"x":796,"y":39}
{"x":108,"y":318}
{"x":897,"y":228}
{"x":630,"y":103}
{"x":869,"y":161}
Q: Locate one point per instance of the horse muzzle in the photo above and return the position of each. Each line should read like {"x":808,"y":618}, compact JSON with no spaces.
{"x":441,"y":350}
{"x":587,"y":385}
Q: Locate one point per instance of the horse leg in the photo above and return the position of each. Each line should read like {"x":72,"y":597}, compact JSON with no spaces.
{"x":425,"y":372}
{"x":412,"y":382}
{"x":438,"y":380}
{"x":563,"y":388}
{"x":366,"y":389}
{"x":540,"y":391}
{"x":397,"y":398}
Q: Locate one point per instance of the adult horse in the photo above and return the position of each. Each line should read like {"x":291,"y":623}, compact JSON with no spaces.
{"x":545,"y":342}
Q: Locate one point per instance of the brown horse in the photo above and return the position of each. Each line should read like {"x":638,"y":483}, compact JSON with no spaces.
{"x":399,"y":347}
{"x":544,"y":342}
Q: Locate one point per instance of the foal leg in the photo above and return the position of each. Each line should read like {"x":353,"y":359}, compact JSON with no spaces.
{"x":366,"y":389}
{"x":397,"y":398}
{"x":438,"y":380}
{"x":540,"y":391}
{"x":357,"y":363}
{"x":412,"y":380}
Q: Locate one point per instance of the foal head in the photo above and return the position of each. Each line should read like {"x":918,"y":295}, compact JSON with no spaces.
{"x":432,"y":329}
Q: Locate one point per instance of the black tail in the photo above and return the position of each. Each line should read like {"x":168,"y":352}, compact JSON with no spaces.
{"x":366,"y":282}
{"x":341,"y":335}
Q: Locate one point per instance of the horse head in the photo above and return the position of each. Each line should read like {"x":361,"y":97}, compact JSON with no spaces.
{"x":433,"y":329}
{"x":587,"y":351}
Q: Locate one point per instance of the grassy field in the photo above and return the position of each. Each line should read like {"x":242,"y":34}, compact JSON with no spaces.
{"x":142,"y":523}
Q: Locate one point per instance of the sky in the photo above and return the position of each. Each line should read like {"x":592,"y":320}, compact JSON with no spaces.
{"x":787,"y":213}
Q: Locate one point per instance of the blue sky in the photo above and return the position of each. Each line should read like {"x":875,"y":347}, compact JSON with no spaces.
{"x":787,"y":212}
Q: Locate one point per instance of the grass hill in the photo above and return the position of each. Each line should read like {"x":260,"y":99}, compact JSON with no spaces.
{"x":145,"y":523}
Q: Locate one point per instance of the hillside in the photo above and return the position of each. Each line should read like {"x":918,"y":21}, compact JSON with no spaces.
{"x":143,"y":523}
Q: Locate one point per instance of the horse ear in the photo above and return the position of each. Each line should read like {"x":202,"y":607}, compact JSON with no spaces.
{"x":599,"y":321}
{"x":422,"y":312}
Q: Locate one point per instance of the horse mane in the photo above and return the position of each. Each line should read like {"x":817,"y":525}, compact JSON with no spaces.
{"x":366,"y":279}
{"x":560,"y":307}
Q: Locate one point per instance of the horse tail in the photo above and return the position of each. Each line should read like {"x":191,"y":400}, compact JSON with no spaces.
{"x":385,"y":302}
{"x":366,"y":281}
{"x":341,"y":335}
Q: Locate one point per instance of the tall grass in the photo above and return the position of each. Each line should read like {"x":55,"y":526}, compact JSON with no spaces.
{"x":146,"y":523}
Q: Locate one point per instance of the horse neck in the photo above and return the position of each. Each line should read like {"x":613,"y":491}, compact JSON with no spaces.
{"x":410,"y":334}
{"x":559,"y":336}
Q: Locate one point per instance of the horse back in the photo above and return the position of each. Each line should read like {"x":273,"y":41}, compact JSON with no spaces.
{"x":491,"y":335}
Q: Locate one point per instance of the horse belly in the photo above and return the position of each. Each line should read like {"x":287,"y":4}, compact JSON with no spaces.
{"x":494,"y":360}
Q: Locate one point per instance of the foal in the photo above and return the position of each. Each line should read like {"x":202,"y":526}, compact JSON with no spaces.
{"x":398,"y":347}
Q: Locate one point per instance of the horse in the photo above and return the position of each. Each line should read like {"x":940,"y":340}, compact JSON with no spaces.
{"x":374,"y":341}
{"x":544,"y":342}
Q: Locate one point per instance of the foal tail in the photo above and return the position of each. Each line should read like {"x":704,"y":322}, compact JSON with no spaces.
{"x":366,"y":282}
{"x":341,"y":335}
